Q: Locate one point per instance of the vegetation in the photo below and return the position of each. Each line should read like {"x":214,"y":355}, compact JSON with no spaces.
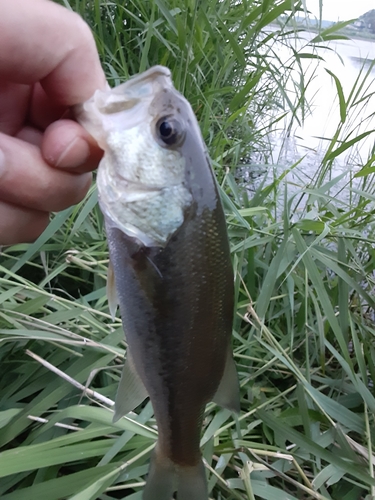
{"x":368,"y":21}
{"x":303,"y":260}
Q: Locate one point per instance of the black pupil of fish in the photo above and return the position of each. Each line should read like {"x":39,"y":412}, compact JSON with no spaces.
{"x":166,"y":130}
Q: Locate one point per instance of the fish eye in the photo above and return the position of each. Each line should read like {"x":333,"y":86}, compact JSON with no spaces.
{"x":169,"y":131}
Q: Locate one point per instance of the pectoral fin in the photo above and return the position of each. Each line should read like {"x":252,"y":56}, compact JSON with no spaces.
{"x":228,"y":393}
{"x":131,"y":392}
{"x":111,"y":291}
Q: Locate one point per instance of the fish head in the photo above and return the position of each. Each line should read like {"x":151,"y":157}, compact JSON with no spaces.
{"x":148,"y":131}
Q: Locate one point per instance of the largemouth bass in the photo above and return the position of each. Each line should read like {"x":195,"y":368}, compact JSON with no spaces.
{"x":169,"y":250}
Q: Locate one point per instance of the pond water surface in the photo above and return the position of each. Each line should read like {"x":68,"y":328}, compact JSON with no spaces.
{"x":349,"y":60}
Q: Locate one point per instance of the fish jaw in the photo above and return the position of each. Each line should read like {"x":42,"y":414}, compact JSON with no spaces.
{"x":102,"y":113}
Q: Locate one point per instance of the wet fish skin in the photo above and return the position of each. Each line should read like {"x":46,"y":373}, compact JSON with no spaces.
{"x":176,"y":304}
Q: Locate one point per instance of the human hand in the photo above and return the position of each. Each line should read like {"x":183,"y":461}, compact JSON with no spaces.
{"x":48,"y":62}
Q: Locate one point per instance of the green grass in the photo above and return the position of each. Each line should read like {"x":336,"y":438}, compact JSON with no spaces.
{"x":304,"y":267}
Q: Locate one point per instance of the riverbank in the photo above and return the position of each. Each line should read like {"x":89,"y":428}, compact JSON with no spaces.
{"x":339,"y":29}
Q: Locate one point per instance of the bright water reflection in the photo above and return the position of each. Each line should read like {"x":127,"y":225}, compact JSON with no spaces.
{"x":346,"y":59}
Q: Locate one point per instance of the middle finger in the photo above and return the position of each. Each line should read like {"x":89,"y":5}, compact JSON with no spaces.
{"x":28,"y":181}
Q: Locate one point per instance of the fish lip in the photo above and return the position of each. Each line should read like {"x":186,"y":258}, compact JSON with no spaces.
{"x":143,"y":86}
{"x":151,"y":74}
{"x":140,"y":87}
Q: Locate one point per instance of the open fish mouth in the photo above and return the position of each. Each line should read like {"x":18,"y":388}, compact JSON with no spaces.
{"x":133,"y":95}
{"x":143,"y":85}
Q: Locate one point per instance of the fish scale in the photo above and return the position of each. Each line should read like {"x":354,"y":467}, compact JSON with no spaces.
{"x":175,"y":288}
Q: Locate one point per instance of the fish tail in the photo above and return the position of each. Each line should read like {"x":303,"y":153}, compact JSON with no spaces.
{"x":192,"y":483}
{"x":161,"y":480}
{"x":165,"y":477}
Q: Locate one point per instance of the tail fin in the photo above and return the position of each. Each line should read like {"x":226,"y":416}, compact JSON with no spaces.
{"x":161,"y":480}
{"x":164,"y":478}
{"x":192,"y":483}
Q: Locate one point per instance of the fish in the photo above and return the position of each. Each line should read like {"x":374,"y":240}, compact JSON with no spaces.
{"x":171,"y":270}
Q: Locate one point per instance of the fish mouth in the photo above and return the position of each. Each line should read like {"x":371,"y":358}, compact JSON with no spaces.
{"x":125,"y":106}
{"x":139,"y":88}
{"x":154,"y":74}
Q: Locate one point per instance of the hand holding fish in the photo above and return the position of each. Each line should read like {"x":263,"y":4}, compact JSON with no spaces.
{"x":48,"y":62}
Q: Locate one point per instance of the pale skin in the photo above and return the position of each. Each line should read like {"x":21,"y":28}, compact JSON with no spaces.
{"x":48,"y":63}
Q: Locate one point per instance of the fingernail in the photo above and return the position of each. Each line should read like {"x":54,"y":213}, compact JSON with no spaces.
{"x":74,"y":155}
{"x":2,"y":163}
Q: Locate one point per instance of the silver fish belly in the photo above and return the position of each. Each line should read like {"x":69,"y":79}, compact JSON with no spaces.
{"x":169,"y":250}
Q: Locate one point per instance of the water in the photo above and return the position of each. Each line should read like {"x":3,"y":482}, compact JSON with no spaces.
{"x":310,"y":139}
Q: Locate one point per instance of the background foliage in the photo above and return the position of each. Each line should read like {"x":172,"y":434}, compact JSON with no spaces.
{"x":303,"y":332}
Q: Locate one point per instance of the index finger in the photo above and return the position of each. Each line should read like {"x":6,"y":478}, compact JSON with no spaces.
{"x":43,"y":41}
